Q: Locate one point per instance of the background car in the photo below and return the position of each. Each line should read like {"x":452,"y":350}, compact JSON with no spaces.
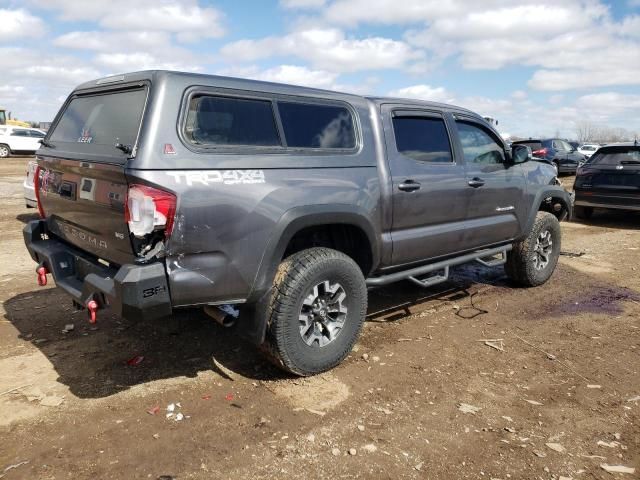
{"x":29,"y":190}
{"x":19,"y":140}
{"x":609,"y":179}
{"x":588,"y":149}
{"x":557,"y":151}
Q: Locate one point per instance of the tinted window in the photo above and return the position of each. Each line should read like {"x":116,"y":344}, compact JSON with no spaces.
{"x":317,"y":126}
{"x":224,"y":121}
{"x":624,"y":157}
{"x":20,"y":133}
{"x":36,"y":134}
{"x":423,"y":139}
{"x":478,"y":145}
{"x":104,"y":119}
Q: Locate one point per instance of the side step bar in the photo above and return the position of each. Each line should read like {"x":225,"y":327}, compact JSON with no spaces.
{"x":485,"y":257}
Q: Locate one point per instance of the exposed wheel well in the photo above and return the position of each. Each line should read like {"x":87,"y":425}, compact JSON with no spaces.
{"x":345,"y":238}
{"x":556,"y":206}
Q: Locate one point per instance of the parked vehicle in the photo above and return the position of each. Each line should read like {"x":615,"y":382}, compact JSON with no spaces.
{"x":19,"y":140}
{"x":555,"y":150}
{"x":30,"y":199}
{"x":610,"y":179}
{"x":162,"y":190}
{"x":588,"y":149}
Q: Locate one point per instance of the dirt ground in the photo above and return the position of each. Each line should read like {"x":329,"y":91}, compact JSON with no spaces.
{"x":421,"y":396}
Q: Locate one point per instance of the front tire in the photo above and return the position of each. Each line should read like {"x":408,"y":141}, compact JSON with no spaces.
{"x":317,"y":308}
{"x":532,"y":260}
{"x":5,"y":151}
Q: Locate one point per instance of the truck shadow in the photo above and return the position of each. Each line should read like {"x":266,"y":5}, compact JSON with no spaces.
{"x":115,"y":354}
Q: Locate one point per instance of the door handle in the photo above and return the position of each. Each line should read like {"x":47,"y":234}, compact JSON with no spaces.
{"x":476,"y":182}
{"x":409,"y":186}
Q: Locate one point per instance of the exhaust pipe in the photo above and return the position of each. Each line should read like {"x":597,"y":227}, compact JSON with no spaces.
{"x":225,"y":315}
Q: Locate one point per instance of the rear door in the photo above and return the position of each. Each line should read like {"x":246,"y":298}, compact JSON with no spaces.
{"x":496,"y":210}
{"x":429,"y":187}
{"x":83,"y":186}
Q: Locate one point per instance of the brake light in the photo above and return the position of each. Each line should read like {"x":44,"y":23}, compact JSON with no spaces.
{"x":36,"y":187}
{"x":542,"y":152}
{"x":149,"y":209}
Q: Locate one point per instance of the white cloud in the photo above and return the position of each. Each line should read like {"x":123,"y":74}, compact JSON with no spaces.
{"x":423,"y":92}
{"x":128,"y":51}
{"x":19,"y":23}
{"x":328,"y":49}
{"x":294,"y":75}
{"x":609,"y":103}
{"x":185,"y":18}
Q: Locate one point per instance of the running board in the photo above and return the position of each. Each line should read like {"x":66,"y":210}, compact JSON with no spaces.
{"x":485,"y":257}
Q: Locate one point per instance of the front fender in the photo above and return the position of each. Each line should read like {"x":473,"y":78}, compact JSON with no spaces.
{"x":555,"y":191}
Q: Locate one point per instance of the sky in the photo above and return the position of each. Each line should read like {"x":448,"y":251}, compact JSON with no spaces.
{"x":538,"y":66}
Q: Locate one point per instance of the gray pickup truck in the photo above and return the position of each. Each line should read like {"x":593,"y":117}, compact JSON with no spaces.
{"x":161,"y":190}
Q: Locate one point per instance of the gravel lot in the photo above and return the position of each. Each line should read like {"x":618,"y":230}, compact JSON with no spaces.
{"x":422,"y":396}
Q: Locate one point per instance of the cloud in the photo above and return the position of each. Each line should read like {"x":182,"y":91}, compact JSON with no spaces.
{"x":423,"y":92}
{"x":328,"y":49}
{"x":127,"y":51}
{"x":185,"y":18}
{"x":19,"y":23}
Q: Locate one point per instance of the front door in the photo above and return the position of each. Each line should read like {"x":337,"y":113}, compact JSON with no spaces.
{"x":429,"y":188}
{"x":496,"y":210}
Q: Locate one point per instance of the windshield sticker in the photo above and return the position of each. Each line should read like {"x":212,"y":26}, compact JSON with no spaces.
{"x":226,"y":177}
{"x":85,"y":137}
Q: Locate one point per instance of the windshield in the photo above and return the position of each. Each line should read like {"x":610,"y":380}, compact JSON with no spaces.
{"x":616,"y":157}
{"x":96,"y":123}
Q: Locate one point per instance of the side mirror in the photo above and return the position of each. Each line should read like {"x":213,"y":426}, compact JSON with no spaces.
{"x":520,"y":154}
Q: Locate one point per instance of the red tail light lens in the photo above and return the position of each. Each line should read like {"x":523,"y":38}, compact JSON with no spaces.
{"x":36,"y":187}
{"x":149,"y":209}
{"x":542,"y":152}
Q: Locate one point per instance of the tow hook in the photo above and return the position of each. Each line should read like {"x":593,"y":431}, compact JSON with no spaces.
{"x":42,"y":275}
{"x":92,"y":311}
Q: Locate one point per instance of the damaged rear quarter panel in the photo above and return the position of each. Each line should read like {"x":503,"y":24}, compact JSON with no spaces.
{"x":222,"y":228}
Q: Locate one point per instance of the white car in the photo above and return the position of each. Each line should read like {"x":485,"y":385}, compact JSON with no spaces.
{"x":19,"y":140}
{"x":29,"y":188}
{"x":588,"y":149}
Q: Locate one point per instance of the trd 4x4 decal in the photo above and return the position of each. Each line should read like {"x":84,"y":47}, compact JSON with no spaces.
{"x":226,"y":177}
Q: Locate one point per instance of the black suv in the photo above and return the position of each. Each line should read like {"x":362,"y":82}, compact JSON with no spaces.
{"x":609,"y":179}
{"x":557,"y":151}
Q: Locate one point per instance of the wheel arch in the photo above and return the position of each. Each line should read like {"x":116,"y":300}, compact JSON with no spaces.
{"x":291,"y":223}
{"x":555,"y":200}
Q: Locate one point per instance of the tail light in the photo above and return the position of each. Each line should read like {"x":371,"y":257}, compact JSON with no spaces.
{"x":542,"y":152}
{"x":149,"y":209}
{"x":36,"y":187}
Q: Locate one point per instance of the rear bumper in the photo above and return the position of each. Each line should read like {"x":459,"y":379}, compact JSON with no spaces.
{"x":131,"y":291}
{"x":599,"y":200}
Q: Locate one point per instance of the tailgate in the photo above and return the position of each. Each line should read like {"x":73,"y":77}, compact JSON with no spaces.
{"x":84,"y":204}
{"x":83,"y":186}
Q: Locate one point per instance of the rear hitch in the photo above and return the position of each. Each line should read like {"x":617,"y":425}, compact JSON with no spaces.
{"x":92,"y":311}
{"x":42,"y":275}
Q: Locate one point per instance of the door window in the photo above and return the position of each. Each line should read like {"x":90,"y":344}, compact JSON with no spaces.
{"x":478,"y":145}
{"x":20,"y":133}
{"x":424,"y":139}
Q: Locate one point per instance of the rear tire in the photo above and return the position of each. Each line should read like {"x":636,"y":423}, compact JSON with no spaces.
{"x":317,"y":308}
{"x":583,"y":213}
{"x":5,"y":151}
{"x":533,"y":259}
